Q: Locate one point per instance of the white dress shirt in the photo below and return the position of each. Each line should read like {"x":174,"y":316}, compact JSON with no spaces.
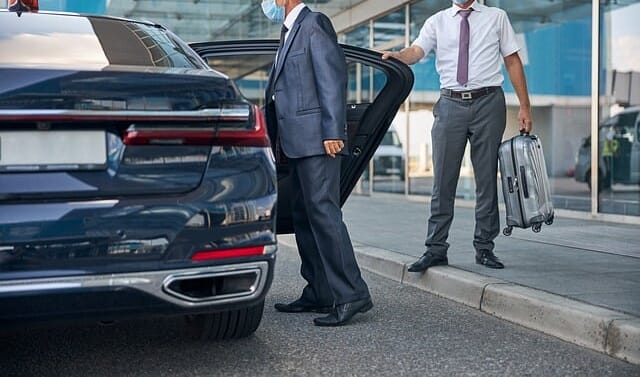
{"x":289,"y":21}
{"x":292,"y":17}
{"x":491,"y":38}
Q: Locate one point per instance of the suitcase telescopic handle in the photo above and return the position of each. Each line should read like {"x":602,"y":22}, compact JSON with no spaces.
{"x":523,"y":183}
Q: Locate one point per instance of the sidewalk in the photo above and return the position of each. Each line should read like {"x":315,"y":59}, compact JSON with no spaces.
{"x":578,"y":280}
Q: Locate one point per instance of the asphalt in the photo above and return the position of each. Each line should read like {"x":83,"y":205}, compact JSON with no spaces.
{"x":577,"y":280}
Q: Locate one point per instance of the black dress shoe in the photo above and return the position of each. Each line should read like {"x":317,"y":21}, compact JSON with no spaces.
{"x":344,"y":312}
{"x":298,"y":307}
{"x":428,"y":260}
{"x":488,"y":258}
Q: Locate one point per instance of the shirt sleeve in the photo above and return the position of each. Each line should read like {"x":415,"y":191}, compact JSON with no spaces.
{"x":427,"y":38}
{"x":508,"y":42}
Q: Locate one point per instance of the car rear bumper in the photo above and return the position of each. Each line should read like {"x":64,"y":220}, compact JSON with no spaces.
{"x":163,"y":292}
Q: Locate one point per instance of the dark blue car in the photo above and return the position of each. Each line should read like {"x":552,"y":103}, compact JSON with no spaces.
{"x":136,"y":180}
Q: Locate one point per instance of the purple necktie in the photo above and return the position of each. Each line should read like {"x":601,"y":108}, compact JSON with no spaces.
{"x":463,"y":50}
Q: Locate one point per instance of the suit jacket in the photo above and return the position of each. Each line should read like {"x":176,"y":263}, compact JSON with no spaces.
{"x":307,"y":92}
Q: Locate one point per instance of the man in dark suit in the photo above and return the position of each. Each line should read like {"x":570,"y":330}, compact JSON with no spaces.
{"x":306,"y":96}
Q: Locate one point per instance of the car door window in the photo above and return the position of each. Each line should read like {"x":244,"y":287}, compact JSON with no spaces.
{"x":365,"y":82}
{"x":249,"y":73}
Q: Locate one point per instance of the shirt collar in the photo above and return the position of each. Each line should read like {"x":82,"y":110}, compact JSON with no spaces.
{"x":293,"y":15}
{"x":453,"y":10}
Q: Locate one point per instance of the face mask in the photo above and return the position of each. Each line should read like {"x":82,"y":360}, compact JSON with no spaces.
{"x":460,"y":1}
{"x":273,"y":12}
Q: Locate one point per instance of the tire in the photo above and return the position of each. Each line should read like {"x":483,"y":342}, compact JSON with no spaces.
{"x":226,"y":325}
{"x":549,"y":221}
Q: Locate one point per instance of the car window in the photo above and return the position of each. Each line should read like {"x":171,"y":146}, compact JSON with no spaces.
{"x":251,"y":74}
{"x":365,"y":82}
{"x":390,"y":138}
{"x":610,"y":121}
{"x":626,"y":121}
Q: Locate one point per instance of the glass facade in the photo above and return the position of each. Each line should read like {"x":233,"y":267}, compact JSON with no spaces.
{"x":557,"y":40}
{"x":619,"y":121}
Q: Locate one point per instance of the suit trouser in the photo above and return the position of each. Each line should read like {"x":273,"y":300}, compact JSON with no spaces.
{"x":482,"y":122}
{"x":328,"y":262}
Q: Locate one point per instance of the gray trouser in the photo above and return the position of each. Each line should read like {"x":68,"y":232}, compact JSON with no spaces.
{"x":482,"y":122}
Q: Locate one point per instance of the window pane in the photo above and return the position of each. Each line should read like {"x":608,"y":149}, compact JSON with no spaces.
{"x":619,"y":147}
{"x":388,"y":31}
{"x":357,"y":37}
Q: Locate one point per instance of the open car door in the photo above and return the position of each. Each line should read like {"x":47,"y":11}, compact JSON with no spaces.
{"x":376,"y":90}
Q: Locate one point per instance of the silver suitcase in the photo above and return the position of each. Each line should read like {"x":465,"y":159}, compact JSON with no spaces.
{"x":525,"y":183}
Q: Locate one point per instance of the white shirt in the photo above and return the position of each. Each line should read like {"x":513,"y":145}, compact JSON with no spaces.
{"x":289,"y":21}
{"x":491,"y":37}
{"x":292,"y":17}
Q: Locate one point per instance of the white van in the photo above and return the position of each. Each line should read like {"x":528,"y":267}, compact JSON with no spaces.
{"x":388,"y":160}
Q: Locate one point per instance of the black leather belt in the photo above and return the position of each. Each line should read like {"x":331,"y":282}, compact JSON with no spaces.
{"x":468,"y":94}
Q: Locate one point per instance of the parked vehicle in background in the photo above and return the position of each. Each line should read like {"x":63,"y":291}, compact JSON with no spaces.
{"x":137,"y":180}
{"x":388,"y":160}
{"x":619,"y":154}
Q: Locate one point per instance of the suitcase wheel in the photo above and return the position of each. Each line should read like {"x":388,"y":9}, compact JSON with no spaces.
{"x":549,"y":221}
{"x":536,"y":227}
{"x":507,"y":231}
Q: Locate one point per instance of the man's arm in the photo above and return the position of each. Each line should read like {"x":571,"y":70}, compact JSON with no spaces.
{"x":516,"y":75}
{"x":409,"y":55}
{"x":330,"y":68}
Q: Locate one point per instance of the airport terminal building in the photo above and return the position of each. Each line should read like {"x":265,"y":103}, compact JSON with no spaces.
{"x":581,"y":58}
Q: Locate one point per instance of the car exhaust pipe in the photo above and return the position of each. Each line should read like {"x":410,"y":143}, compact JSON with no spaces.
{"x":200,"y":288}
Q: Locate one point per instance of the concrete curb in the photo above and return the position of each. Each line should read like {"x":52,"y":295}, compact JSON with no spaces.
{"x":613,"y":333}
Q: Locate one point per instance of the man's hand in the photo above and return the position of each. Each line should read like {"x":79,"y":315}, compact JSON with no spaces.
{"x":408,"y":55}
{"x":525,"y":121}
{"x":390,"y":54}
{"x":333,"y":147}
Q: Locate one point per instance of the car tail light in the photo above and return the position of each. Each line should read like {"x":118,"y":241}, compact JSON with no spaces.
{"x":233,"y":126}
{"x":205,"y":255}
{"x":23,"y":5}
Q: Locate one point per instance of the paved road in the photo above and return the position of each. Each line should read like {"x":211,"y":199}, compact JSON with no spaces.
{"x":408,"y":333}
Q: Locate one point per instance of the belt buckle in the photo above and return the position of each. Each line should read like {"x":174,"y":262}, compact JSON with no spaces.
{"x":465,"y":95}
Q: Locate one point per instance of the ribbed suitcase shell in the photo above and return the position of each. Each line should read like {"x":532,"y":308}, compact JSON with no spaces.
{"x":525,"y":183}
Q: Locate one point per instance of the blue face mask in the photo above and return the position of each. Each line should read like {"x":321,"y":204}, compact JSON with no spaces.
{"x":273,"y":11}
{"x":460,"y":1}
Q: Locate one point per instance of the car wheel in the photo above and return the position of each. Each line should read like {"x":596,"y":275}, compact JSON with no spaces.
{"x":231,"y":324}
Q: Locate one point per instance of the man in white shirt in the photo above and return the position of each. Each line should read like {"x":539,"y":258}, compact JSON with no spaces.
{"x":470,"y":41}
